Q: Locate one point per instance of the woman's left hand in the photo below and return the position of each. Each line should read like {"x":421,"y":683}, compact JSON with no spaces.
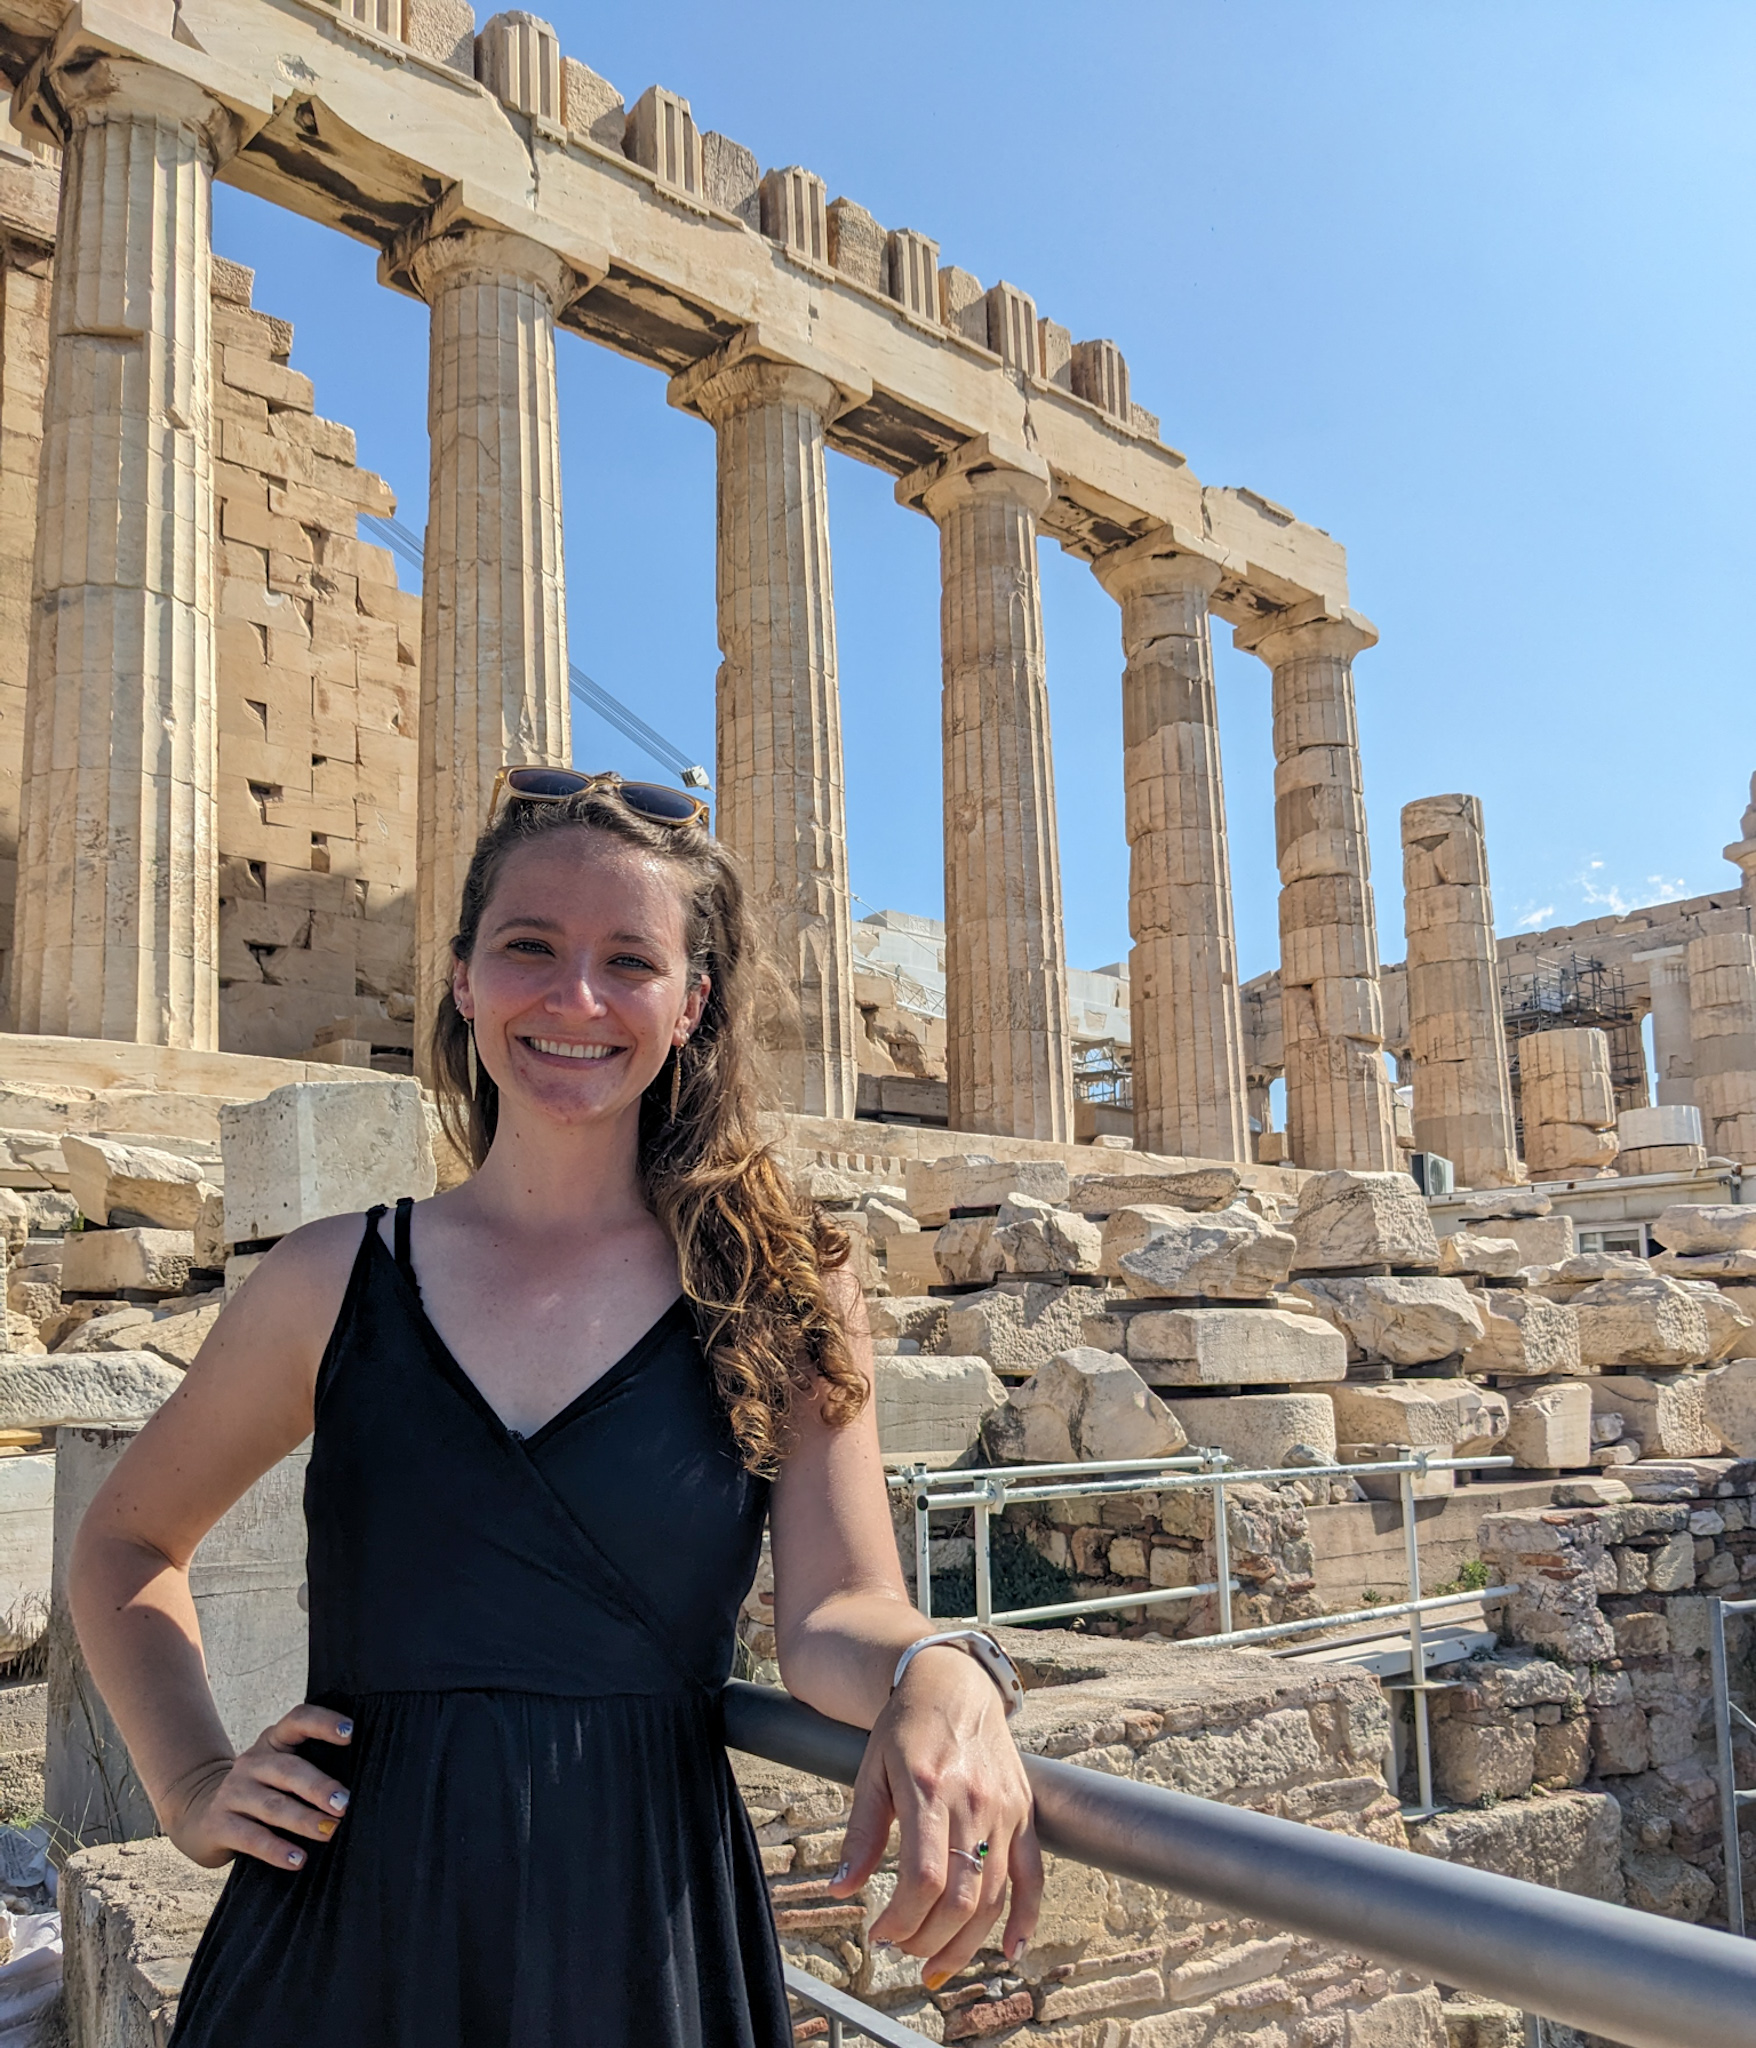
{"x":941,"y":1764}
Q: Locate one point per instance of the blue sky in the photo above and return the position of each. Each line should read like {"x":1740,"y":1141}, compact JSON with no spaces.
{"x":1469,"y":285}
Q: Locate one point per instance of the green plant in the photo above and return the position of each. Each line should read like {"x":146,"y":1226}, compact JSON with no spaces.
{"x":1472,"y":1576}
{"x":1371,"y":1598}
{"x":1022,"y":1577}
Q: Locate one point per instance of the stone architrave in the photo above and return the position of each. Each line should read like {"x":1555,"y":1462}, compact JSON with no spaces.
{"x":493,"y":597}
{"x":1462,"y":1091}
{"x":1339,"y":1110}
{"x":1189,"y":1075}
{"x":1567,"y":1103}
{"x":1009,"y":1058}
{"x":1722,"y":1024}
{"x":118,"y":896}
{"x":781,"y":786}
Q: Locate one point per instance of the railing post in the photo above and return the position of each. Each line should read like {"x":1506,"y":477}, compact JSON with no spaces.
{"x":1728,"y":1783}
{"x":1222,"y":1555}
{"x":1417,"y":1649}
{"x":993,"y":1493}
{"x":923,"y":1554}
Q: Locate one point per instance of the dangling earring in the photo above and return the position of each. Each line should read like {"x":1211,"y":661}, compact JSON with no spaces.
{"x":676,"y":1079}
{"x":475,"y":1072}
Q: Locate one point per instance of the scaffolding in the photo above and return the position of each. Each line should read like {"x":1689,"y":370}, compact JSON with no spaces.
{"x":1102,"y":1073}
{"x":1575,"y":992}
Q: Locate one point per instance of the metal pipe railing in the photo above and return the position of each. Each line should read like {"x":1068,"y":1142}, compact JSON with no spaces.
{"x":989,"y":1490}
{"x":1633,"y":1977}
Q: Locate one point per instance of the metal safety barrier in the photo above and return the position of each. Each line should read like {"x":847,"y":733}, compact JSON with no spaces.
{"x":1632,"y":1977}
{"x":986,"y":1490}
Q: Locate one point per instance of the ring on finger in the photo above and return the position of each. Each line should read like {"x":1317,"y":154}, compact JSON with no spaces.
{"x":975,"y":1855}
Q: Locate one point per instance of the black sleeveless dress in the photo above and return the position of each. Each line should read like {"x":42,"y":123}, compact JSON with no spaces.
{"x":544,"y":1847}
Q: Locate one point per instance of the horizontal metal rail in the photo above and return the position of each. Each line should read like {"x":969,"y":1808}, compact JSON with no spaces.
{"x":1315,"y":1622}
{"x":843,"y":2012}
{"x":1109,"y":1602}
{"x":1634,"y":1977}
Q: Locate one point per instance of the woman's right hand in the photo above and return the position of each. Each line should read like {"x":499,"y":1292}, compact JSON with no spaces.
{"x":232,"y":1808}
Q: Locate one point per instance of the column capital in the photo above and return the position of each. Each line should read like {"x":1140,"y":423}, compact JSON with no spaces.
{"x":471,"y":230}
{"x":57,"y":97}
{"x":762,"y":365}
{"x":1165,"y":559}
{"x":988,"y":466}
{"x":1312,"y":627}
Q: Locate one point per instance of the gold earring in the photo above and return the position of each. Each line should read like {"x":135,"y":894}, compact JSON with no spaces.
{"x":475,"y":1072}
{"x":676,"y":1078}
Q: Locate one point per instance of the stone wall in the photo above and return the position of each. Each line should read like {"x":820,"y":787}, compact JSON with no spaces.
{"x":1615,"y":1608}
{"x":319,"y":692}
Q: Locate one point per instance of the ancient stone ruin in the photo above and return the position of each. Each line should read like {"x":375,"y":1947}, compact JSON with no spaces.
{"x":240,"y":772}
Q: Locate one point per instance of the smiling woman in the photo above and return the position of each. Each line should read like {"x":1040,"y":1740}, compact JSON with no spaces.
{"x":550,"y":1410}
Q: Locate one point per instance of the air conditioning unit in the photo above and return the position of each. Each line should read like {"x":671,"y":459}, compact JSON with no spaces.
{"x":1433,"y":1175}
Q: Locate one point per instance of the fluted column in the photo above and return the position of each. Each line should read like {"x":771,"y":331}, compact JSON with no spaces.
{"x":1008,"y":1053}
{"x":781,"y":791}
{"x":1338,"y":1092}
{"x":1188,"y":1039}
{"x":493,"y":598}
{"x":118,"y":900}
{"x":1457,"y":1039}
{"x":1673,"y":1047}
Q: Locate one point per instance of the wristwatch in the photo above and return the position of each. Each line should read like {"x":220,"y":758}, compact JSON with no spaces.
{"x":987,"y":1653}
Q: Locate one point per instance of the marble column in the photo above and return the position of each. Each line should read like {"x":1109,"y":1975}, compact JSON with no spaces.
{"x":1722,"y":1029}
{"x":1567,"y":1104}
{"x":493,"y":598}
{"x":781,"y":790}
{"x":1673,"y":1047}
{"x":1338,"y":1092}
{"x":118,"y":873}
{"x":1457,"y":1038}
{"x":1190,"y":1093}
{"x":1009,"y":1052}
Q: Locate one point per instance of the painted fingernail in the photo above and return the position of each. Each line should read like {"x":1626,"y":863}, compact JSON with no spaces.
{"x":841,"y":1875}
{"x":343,"y":1730}
{"x":1017,"y":1949}
{"x":339,"y":1800}
{"x":295,"y":1857}
{"x":933,"y":1983}
{"x":888,"y":1947}
{"x":326,"y":1828}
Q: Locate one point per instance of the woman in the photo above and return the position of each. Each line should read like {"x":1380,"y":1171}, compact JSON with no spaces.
{"x":551,"y":1408}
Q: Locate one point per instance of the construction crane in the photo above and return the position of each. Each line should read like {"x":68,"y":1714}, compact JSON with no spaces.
{"x":404,"y":541}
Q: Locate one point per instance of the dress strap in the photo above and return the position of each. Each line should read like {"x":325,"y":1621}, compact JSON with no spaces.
{"x":404,"y":1209}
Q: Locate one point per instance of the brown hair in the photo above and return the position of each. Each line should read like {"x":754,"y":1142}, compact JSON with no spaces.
{"x":751,"y":1254}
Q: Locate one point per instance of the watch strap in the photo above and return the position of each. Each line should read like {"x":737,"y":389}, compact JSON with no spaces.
{"x":987,"y":1653}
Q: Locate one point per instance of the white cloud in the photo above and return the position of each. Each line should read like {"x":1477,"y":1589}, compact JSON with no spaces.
{"x":1533,"y":920}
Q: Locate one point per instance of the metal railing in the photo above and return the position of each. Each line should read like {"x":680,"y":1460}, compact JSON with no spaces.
{"x":985,"y":1491}
{"x":1728,"y":1717}
{"x":1633,"y":1977}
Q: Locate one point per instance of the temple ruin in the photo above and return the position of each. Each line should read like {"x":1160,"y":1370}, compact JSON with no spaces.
{"x":240,"y":772}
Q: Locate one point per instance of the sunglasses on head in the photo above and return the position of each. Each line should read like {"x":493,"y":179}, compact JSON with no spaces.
{"x":653,"y":801}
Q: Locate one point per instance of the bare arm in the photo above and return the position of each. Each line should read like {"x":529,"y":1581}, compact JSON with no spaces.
{"x":242,"y":1406}
{"x":940,"y":1762}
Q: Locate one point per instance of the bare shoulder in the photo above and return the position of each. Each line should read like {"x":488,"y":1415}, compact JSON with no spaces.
{"x":309,"y":1266}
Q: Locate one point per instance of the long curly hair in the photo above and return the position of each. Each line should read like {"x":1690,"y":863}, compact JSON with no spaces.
{"x":751,"y":1254}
